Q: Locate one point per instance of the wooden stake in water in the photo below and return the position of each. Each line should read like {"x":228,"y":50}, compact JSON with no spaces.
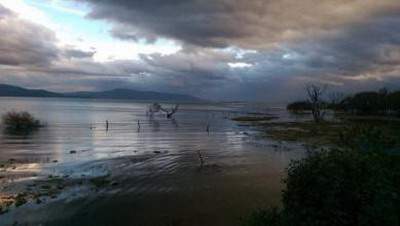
{"x":208,"y":128}
{"x":138,"y":125}
{"x":106,"y":125}
{"x":200,"y":158}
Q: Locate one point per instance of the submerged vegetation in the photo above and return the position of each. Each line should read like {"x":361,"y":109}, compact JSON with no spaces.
{"x":20,"y":122}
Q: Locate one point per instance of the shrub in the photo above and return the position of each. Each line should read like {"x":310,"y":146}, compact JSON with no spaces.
{"x":20,"y":121}
{"x":269,"y":217}
{"x":368,"y":103}
{"x":366,"y":138}
{"x":394,"y":102}
{"x":363,"y":103}
{"x":343,"y":187}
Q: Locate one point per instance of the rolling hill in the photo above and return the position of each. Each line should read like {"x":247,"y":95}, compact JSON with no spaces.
{"x":127,"y":94}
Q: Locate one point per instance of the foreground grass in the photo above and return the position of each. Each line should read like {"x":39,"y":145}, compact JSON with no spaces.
{"x":333,"y":134}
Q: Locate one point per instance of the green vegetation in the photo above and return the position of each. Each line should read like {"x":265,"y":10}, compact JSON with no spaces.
{"x":381,"y":102}
{"x":20,"y":121}
{"x":20,"y":199}
{"x":367,"y":103}
{"x":340,"y":187}
{"x":315,"y":134}
{"x":356,"y":183}
{"x":268,"y":217}
{"x":384,"y":131}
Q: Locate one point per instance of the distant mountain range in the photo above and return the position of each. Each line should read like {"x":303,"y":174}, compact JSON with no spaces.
{"x":128,"y":94}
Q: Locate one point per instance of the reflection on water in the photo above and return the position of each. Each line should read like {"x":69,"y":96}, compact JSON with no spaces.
{"x":154,"y":160}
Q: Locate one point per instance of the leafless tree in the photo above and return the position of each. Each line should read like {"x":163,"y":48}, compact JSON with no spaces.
{"x":170,"y":112}
{"x":156,"y":107}
{"x":315,"y":93}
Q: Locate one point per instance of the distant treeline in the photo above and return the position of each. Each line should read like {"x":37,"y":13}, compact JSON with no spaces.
{"x":382,"y":102}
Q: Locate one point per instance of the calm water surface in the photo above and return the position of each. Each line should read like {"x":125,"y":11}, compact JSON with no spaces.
{"x":156,"y":170}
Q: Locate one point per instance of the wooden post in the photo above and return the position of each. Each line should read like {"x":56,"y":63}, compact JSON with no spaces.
{"x":200,"y":158}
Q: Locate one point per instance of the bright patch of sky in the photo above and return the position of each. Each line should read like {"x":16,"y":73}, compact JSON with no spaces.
{"x":239,"y":65}
{"x":67,"y":19}
{"x":239,"y":52}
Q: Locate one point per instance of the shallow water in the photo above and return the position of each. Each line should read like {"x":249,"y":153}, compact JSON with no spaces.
{"x":157,"y":174}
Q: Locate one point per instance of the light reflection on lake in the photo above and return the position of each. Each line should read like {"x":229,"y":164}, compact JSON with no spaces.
{"x":157,"y":164}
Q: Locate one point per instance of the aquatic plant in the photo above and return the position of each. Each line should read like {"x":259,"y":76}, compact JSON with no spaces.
{"x":20,"y":121}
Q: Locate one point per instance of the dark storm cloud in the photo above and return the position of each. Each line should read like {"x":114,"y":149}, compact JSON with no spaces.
{"x":348,"y":44}
{"x":220,"y":23}
{"x":24,"y":43}
{"x":373,"y":45}
{"x":296,"y":42}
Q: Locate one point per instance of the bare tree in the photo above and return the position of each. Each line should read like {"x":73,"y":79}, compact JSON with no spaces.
{"x":170,"y":112}
{"x":156,"y":107}
{"x":315,"y":93}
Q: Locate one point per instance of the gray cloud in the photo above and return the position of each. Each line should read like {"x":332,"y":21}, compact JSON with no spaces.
{"x":76,"y":53}
{"x":220,"y":23}
{"x":25,"y":43}
{"x":349,"y":44}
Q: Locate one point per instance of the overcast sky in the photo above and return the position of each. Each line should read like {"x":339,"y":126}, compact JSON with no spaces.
{"x":262,"y":50}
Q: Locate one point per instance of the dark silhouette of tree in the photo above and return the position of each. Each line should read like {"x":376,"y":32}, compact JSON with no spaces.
{"x":393,"y":100}
{"x":170,"y":112}
{"x":315,"y":93}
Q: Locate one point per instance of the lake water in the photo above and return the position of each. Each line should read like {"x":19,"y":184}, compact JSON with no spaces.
{"x":156,"y":171}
